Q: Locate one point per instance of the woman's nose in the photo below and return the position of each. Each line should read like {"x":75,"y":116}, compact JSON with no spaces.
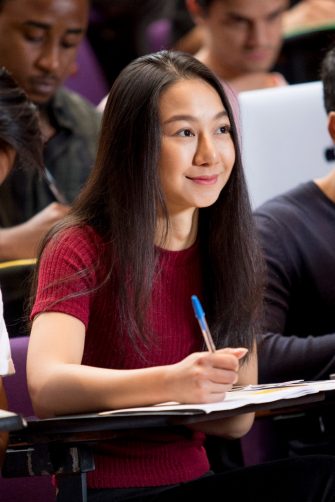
{"x":206,"y":153}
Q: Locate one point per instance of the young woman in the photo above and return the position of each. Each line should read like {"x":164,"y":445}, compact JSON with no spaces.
{"x":164,"y":215}
{"x":20,"y":145}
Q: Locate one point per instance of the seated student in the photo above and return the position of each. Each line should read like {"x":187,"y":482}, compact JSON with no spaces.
{"x":241,"y":40}
{"x":38,"y":45}
{"x":165,"y":215}
{"x":298,"y":239}
{"x":20,"y":145}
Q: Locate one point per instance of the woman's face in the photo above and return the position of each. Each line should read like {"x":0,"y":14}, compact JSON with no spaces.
{"x":7,"y":160}
{"x":197,"y":151}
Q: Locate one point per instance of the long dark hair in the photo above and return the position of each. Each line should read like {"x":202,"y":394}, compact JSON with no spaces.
{"x":123,"y":197}
{"x":19,"y":126}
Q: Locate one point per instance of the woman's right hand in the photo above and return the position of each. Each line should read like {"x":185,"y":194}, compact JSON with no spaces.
{"x":205,"y":377}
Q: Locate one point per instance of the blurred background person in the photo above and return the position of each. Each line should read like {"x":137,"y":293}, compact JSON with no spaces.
{"x":39,"y":41}
{"x":38,"y":45}
{"x":298,"y":239}
{"x":242,"y":40}
{"x":297,"y":233}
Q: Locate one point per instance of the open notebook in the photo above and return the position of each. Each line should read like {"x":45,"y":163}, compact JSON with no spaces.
{"x":284,"y":138}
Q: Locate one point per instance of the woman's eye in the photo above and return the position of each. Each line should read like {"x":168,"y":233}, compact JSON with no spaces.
{"x":225,"y":129}
{"x":186,"y":133}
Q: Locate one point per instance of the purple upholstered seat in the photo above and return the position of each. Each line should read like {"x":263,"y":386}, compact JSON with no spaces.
{"x":89,"y":81}
{"x":28,"y":489}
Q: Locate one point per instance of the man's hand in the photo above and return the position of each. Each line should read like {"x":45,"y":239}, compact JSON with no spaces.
{"x":22,"y":241}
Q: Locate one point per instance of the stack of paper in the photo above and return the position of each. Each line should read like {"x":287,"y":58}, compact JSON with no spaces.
{"x":241,"y":396}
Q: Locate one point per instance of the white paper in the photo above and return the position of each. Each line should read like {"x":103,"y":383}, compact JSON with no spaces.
{"x":6,"y":414}
{"x":266,"y":393}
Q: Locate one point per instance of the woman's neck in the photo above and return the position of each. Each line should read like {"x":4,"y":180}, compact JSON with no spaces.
{"x":182,"y":231}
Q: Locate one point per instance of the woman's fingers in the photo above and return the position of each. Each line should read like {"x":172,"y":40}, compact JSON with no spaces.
{"x":238,"y":352}
{"x":220,"y":376}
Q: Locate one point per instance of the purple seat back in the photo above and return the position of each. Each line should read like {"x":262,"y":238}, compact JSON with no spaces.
{"x":89,"y":81}
{"x":158,"y":35}
{"x":35,"y":488}
{"x":16,"y":385}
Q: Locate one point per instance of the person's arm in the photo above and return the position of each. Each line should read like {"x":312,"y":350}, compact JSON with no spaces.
{"x":291,"y":357}
{"x":282,"y":264}
{"x":3,"y":435}
{"x":286,"y":357}
{"x":60,"y":384}
{"x":21,"y":241}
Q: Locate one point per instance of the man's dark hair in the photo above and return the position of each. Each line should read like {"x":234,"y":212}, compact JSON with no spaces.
{"x":328,"y":80}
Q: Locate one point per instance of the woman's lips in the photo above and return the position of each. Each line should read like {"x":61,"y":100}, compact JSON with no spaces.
{"x":204,"y":180}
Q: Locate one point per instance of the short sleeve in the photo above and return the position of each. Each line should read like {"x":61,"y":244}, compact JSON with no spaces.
{"x":6,"y":363}
{"x":67,"y":275}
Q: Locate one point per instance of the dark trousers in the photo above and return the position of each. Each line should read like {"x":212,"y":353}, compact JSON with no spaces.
{"x":300,"y":479}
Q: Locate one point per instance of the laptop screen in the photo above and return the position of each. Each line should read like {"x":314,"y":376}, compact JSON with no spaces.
{"x":285,"y":140}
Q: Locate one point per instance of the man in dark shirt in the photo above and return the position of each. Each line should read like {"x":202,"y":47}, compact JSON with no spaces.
{"x":39,"y":40}
{"x":297,"y":231}
{"x":38,"y":45}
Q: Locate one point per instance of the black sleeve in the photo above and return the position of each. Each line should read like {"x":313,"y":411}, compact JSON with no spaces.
{"x":286,"y":357}
{"x":281,"y":263}
{"x":282,"y":358}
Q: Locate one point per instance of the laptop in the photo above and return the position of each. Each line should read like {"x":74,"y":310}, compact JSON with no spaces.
{"x":285,"y":140}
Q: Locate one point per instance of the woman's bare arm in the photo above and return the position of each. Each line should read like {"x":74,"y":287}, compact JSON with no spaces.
{"x":60,"y":384}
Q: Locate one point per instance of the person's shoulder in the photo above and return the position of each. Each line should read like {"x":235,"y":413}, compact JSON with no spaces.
{"x":285,"y":215}
{"x":275,"y":79}
{"x":286,"y":203}
{"x":77,"y":239}
{"x":79,"y":109}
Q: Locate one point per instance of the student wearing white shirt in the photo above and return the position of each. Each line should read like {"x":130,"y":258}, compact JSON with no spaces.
{"x":6,"y":368}
{"x":6,"y":363}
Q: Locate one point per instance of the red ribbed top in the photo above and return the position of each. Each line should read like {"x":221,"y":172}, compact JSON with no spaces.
{"x":153,"y":457}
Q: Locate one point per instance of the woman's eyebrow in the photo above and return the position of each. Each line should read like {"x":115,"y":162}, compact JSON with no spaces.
{"x":192,"y":118}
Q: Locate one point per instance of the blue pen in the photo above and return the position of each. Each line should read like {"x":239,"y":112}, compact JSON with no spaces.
{"x":200,"y":315}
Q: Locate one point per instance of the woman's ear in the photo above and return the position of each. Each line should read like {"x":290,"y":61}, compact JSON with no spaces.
{"x":7,"y":160}
{"x":331,"y":125}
